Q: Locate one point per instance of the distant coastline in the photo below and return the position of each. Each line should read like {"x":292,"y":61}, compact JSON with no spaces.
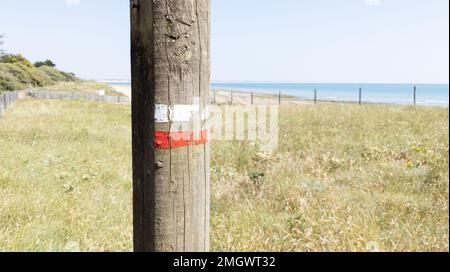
{"x":383,"y":93}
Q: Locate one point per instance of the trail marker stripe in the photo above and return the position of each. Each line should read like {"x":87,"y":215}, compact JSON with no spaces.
{"x":177,"y":139}
{"x":178,"y":113}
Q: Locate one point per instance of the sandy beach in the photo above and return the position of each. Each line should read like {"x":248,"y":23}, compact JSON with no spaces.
{"x":126,"y":90}
{"x":235,"y":97}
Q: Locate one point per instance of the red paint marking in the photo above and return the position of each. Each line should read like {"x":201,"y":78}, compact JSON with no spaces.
{"x":167,"y":140}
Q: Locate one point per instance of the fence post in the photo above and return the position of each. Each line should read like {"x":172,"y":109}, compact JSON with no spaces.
{"x":279,"y":98}
{"x":2,"y":103}
{"x":415,"y":95}
{"x":231,"y":93}
{"x":315,"y":96}
{"x":252,"y":98}
{"x":214,"y":96}
{"x":8,"y":99}
{"x":360,"y":96}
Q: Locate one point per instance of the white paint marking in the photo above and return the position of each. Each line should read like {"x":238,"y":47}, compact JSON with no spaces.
{"x":161,"y":114}
{"x":178,"y":113}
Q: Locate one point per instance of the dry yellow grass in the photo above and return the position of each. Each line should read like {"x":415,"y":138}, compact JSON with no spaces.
{"x":344,"y":178}
{"x":85,"y":86}
{"x":65,"y":176}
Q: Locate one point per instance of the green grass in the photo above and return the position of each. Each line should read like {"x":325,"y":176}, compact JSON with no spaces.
{"x":82,"y":86}
{"x":345,"y":178}
{"x":17,"y":76}
{"x":65,"y":176}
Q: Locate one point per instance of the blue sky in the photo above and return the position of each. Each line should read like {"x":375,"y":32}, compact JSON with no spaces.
{"x":386,"y":41}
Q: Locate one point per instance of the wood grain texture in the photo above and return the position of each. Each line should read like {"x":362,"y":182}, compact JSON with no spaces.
{"x":170,"y":66}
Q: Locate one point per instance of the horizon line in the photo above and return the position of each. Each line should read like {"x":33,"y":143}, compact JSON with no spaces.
{"x":286,"y":82}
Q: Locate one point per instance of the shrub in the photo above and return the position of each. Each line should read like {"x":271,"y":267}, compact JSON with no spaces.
{"x":17,"y":76}
{"x":8,"y":81}
{"x":20,"y":72}
{"x":48,"y":63}
{"x":11,"y":58}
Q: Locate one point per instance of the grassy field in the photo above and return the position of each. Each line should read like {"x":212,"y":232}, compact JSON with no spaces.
{"x":345,"y":178}
{"x":86,"y":86}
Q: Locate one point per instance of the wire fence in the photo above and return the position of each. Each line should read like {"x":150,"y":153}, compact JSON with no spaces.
{"x":81,"y":96}
{"x":217,"y":97}
{"x":356,"y":95}
{"x":6,"y":100}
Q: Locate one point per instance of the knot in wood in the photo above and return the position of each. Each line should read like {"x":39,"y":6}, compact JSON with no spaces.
{"x":170,"y":18}
{"x":159,"y":165}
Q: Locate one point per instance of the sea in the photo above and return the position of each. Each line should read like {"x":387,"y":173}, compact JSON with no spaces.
{"x":426,"y":94}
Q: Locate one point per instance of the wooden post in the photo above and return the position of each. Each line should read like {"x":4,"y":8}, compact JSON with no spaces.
{"x":360,"y":96}
{"x":171,"y":168}
{"x":252,"y":98}
{"x":7,"y":100}
{"x":214,"y":97}
{"x":315,"y":96}
{"x":279,"y":98}
{"x":2,"y":104}
{"x":231,"y":94}
{"x":415,"y":95}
